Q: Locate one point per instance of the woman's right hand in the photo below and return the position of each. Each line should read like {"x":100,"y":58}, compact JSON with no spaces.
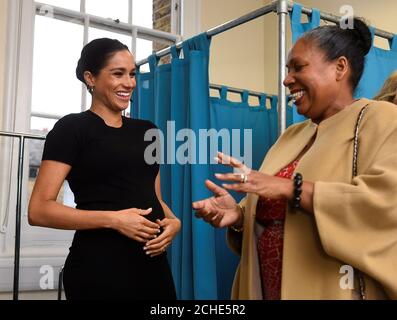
{"x":133,"y":224}
{"x":221,"y":210}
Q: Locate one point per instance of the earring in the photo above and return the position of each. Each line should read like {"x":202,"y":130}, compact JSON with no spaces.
{"x":91,"y":89}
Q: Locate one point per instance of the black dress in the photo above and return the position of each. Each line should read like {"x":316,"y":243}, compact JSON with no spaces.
{"x":109,"y":172}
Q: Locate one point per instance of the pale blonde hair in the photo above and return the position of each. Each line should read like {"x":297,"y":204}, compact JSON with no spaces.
{"x":389,"y":89}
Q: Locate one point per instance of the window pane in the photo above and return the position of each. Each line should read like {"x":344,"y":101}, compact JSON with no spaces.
{"x":152,"y":14}
{"x":36,"y":148}
{"x":142,"y":13}
{"x":56,"y":89}
{"x":95,"y":33}
{"x":113,"y":9}
{"x":144,"y":48}
{"x":41,"y":125}
{"x":88,"y":100}
{"x":68,"y":4}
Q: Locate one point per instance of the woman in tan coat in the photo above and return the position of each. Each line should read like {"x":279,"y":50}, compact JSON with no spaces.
{"x":316,"y":224}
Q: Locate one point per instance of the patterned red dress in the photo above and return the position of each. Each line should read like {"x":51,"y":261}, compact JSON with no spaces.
{"x":271,"y":215}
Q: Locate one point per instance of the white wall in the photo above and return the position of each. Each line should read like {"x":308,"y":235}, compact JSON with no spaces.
{"x":237,"y":56}
{"x":3,"y":29}
{"x":34,"y":295}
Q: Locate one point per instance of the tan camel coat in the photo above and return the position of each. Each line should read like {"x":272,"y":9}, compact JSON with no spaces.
{"x":354,"y":221}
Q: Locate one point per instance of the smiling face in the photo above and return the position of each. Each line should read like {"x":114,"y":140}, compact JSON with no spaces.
{"x":115,"y":82}
{"x":314,"y":83}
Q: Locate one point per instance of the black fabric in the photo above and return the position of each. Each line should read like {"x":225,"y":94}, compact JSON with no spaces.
{"x":109,"y":172}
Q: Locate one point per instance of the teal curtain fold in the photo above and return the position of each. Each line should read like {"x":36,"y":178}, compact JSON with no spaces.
{"x":175,"y":97}
{"x":239,"y":116}
{"x":298,"y":27}
{"x":379,"y":64}
{"x":196,"y":51}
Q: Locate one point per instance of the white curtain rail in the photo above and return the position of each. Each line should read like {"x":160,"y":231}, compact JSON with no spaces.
{"x":45,"y":115}
{"x":103,"y":23}
{"x":21,"y":135}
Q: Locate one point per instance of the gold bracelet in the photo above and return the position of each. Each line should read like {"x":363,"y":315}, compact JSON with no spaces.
{"x":242,"y":227}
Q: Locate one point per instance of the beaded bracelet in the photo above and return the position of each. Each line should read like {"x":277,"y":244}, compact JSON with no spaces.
{"x":296,"y":201}
{"x":242,"y":227}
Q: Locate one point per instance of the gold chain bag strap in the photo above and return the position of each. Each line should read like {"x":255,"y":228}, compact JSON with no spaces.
{"x":360,"y":276}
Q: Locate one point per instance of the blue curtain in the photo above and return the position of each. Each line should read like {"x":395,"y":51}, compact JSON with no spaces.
{"x":258,"y":119}
{"x":379,"y":64}
{"x":298,"y":28}
{"x":261,"y":123}
{"x":178,"y":92}
{"x":175,"y":96}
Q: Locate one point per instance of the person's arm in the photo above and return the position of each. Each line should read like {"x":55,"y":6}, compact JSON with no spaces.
{"x":287,"y":192}
{"x":46,"y":212}
{"x":220,"y":210}
{"x":170,"y":224}
{"x":264,"y":185}
{"x":167,"y":211}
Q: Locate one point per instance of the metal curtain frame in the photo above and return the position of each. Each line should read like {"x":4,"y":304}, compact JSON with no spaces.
{"x":21,"y":151}
{"x":282,"y":8}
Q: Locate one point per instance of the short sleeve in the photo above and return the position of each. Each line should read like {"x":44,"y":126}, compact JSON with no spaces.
{"x":62,"y":143}
{"x":150,"y":125}
{"x":151,"y":131}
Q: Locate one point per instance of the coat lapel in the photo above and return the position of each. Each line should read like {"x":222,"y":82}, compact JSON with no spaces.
{"x":278,"y":158}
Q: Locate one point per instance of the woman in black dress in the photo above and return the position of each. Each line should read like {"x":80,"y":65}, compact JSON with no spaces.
{"x":122,"y":225}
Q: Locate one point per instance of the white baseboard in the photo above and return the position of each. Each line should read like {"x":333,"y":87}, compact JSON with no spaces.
{"x":29,"y":272}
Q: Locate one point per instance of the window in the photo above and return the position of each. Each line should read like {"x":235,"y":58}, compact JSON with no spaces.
{"x":55,"y":90}
{"x":68,"y":4}
{"x":46,"y":45}
{"x":114,"y":10}
{"x":142,"y":13}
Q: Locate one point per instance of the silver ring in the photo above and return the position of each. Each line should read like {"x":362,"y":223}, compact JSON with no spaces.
{"x":244,"y":178}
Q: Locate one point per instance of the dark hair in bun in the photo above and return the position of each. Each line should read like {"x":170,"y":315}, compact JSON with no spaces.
{"x":353,"y":43}
{"x":95,"y":56}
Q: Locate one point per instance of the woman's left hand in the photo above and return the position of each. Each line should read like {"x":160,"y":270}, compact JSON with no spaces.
{"x":160,"y":244}
{"x":262,"y":184}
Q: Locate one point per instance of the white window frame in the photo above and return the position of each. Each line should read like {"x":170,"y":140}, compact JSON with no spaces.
{"x":191,"y":13}
{"x":16,"y":118}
